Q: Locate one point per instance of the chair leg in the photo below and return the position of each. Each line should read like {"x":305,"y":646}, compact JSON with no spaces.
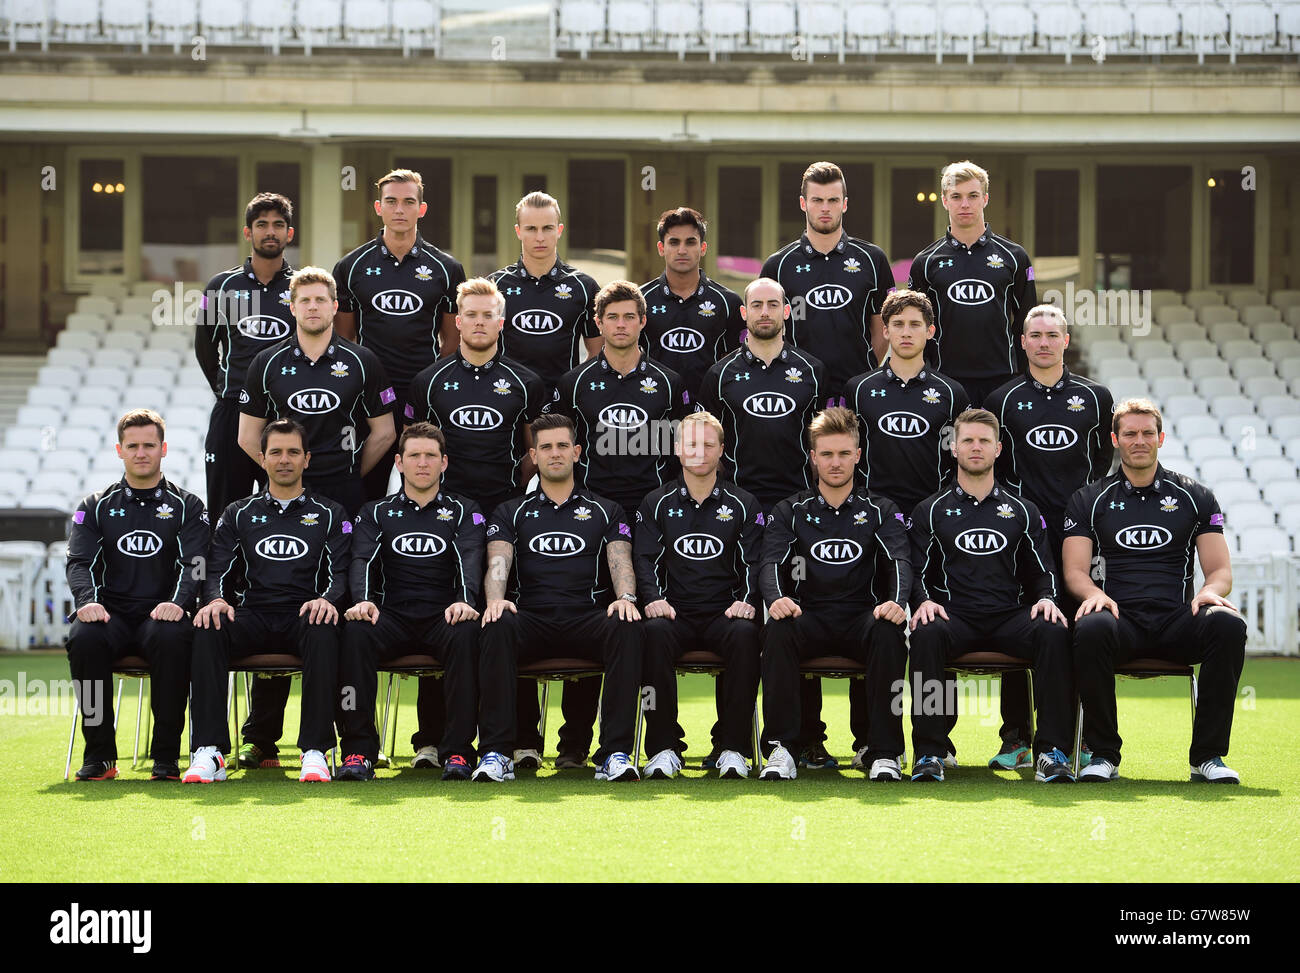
{"x":1192,"y":689}
{"x":234,"y":725}
{"x":72,"y":736}
{"x":541,"y":718}
{"x":117,"y":709}
{"x":139,"y":714}
{"x":1029,"y":681}
{"x":640,"y":720}
{"x":397,"y":711}
{"x":388,"y":700}
{"x":758,"y":754}
{"x":1078,"y":736}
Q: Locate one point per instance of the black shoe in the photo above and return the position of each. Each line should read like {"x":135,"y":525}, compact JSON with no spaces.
{"x":711,"y":761}
{"x":456,"y":767}
{"x":98,"y":770}
{"x":355,"y":767}
{"x":1053,"y":768}
{"x":815,"y":757}
{"x":165,"y":770}
{"x":571,"y":761}
{"x":928,"y":769}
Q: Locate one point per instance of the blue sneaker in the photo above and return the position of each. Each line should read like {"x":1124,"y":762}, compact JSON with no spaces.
{"x":1014,"y":755}
{"x":1053,"y":768}
{"x":618,"y":766}
{"x":928,"y":769}
{"x":495,"y":767}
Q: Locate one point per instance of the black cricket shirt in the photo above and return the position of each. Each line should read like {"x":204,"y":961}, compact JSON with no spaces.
{"x":240,"y":317}
{"x":690,"y":334}
{"x":547,"y":317}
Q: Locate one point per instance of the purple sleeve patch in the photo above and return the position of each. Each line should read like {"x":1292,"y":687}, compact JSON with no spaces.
{"x":686,"y":398}
{"x":1029,"y":272}
{"x":478,"y":518}
{"x":347,"y":527}
{"x":898,"y":516}
{"x":759,"y":519}
{"x":388,"y":396}
{"x":79,"y":517}
{"x":1044,"y":520}
{"x":409,"y":411}
{"x":1216,"y":520}
{"x":625,"y":530}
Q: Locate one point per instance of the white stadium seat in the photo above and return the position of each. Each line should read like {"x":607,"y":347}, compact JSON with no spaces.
{"x":1226,"y":331}
{"x":1232,"y":350}
{"x":146,"y":397}
{"x":821,"y":24}
{"x":1011,"y":27}
{"x":52,"y":396}
{"x":1195,"y":426}
{"x":179,"y":340}
{"x":1268,"y":331}
{"x":159,"y":358}
{"x":87,"y":321}
{"x":160,"y":377}
{"x":1262,"y":386}
{"x":1260,"y":315}
{"x":45,"y":501}
{"x":222,"y":21}
{"x":961,"y":29}
{"x":112,"y":289}
{"x":1197,"y":348}
{"x":1239,"y":426}
{"x":1129,"y":388}
{"x":68,"y":358}
{"x":1262,"y":446}
{"x":1213,"y":471}
{"x":1184,"y":405}
{"x":1226,"y":405}
{"x":107,"y":397}
{"x":1157,"y":368}
{"x":1155,"y":27}
{"x":91,"y":417}
{"x":1170,"y":385}
{"x":109,"y":377}
{"x":77,"y":340}
{"x":1292,"y":316}
{"x":1263,"y":541}
{"x":366,"y":22}
{"x":187,"y":417}
{"x":1174,"y":313}
{"x":20,"y":459}
{"x":1253,"y":27}
{"x":1165,"y":298}
{"x":1217,"y":385}
{"x":132,"y":341}
{"x":1289,"y":369}
{"x":1240,"y":297}
{"x":38,"y":416}
{"x":1246,"y":368}
{"x":870,"y":27}
{"x":1200,"y":450}
{"x":1101,"y":350}
{"x":1147,"y":348}
{"x":771,"y":24}
{"x":137,"y":306}
{"x":1287,"y":429}
{"x":1273,"y":406}
{"x":105,"y":307}
{"x":72,"y":460}
{"x":125,"y":21}
{"x":62,"y":482}
{"x":319,"y":22}
{"x":13,"y":482}
{"x":1184,"y":331}
{"x":916,"y":25}
{"x":1241,"y":516}
{"x":115,"y":358}
{"x":1112,"y":368}
{"x":1200,"y":368}
{"x":1285,"y":298}
{"x":1289,"y":517}
{"x":131,"y":322}
{"x":61,"y":377}
{"x":1199,"y":299}
{"x":270,"y":21}
{"x":1281,"y":492}
{"x":678,"y":23}
{"x":1267,"y":469}
{"x":1060,"y":27}
{"x":1217,"y":314}
{"x":1283,"y":349}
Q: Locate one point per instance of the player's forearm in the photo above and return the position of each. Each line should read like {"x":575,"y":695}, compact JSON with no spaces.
{"x":345,"y":325}
{"x":500,"y":555}
{"x":377,"y":445}
{"x":621,"y":573}
{"x":1219,"y":582}
{"x":1081,"y":584}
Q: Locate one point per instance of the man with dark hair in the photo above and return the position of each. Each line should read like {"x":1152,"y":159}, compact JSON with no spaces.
{"x":293,"y":545}
{"x":135,"y":558}
{"x":835,"y":281}
{"x":691,"y":321}
{"x":416,"y":575}
{"x":245,"y":309}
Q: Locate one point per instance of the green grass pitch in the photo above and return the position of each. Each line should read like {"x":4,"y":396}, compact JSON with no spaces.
{"x":981,"y":825}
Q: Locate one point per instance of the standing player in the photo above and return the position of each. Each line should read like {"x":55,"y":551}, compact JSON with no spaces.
{"x":691,"y":321}
{"x":245,"y":309}
{"x":134,"y":553}
{"x":820,"y":553}
{"x":417,"y":572}
{"x":980,"y":553}
{"x":838,"y":282}
{"x":1055,"y":440}
{"x":1144,"y":522}
{"x":397,"y":298}
{"x":294,"y":547}
{"x":550,"y":306}
{"x":557,"y":539}
{"x":980,"y":285}
{"x":697,"y":547}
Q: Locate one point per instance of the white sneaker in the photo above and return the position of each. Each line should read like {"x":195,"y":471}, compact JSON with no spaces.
{"x":206,"y":766}
{"x":858,"y":762}
{"x":732,"y":766}
{"x":1215,"y":772}
{"x":886,"y":769}
{"x":426,"y":758}
{"x":949,"y":761}
{"x":381,"y":761}
{"x":494,"y":767}
{"x":662,"y":766}
{"x":1098,"y":770}
{"x":779,"y":765}
{"x":619,"y":767}
{"x":314,"y":768}
{"x":527,"y":759}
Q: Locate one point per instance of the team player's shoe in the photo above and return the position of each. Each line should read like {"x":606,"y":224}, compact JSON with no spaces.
{"x":859,"y":761}
{"x":571,"y":761}
{"x":618,"y":766}
{"x":1053,"y":768}
{"x":731,"y":765}
{"x":1215,"y":772}
{"x":494,"y":766}
{"x":1099,"y":771}
{"x":711,"y":761}
{"x":314,"y":768}
{"x":456,"y":767}
{"x":1014,"y":755}
{"x":356,"y":767}
{"x":779,"y":765}
{"x":949,"y":760}
{"x":206,"y":766}
{"x":97,"y":770}
{"x":381,"y":761}
{"x":426,"y":758}
{"x":928,"y":769}
{"x":885,"y":769}
{"x":527,"y":759}
{"x":815,"y":757}
{"x":663,"y":765}
{"x":251,"y":757}
{"x":165,"y":770}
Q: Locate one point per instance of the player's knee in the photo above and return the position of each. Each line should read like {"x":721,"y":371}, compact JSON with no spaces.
{"x":1225,"y":626}
{"x":1094,"y":631}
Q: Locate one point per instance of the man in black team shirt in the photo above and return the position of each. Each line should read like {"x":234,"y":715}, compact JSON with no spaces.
{"x":836,"y":281}
{"x":550,"y":306}
{"x":691,"y":321}
{"x":293,"y":544}
{"x":557,"y":540}
{"x":245,"y":309}
{"x":417,"y":573}
{"x":976,"y":548}
{"x":821,"y":548}
{"x":397,"y":297}
{"x":980,"y":284}
{"x":1143,"y":521}
{"x":1055,"y":439}
{"x":134,"y":557}
{"x":697,"y":548}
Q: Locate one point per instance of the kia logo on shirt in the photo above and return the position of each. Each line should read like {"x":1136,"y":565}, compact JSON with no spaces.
{"x":837,"y":551}
{"x":970,"y":291}
{"x":397,"y":302}
{"x":698,"y":547}
{"x":1143,"y":537}
{"x":475,"y":417}
{"x":314,"y":401}
{"x":828,"y":297}
{"x":418,"y":544}
{"x":557,"y":543}
{"x":140,"y":543}
{"x":768,"y":405}
{"x":620,"y":415}
{"x":981,"y":540}
{"x":537,"y":322}
{"x":281,"y":547}
{"x":903,"y":425}
{"x":681,"y":340}
{"x":263,"y":328}
{"x":1052,"y":437}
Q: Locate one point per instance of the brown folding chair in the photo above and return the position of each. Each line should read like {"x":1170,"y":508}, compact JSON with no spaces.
{"x":264,"y":665}
{"x":127,"y":667}
{"x":698,"y":662}
{"x":403,"y":667}
{"x":996,"y":663}
{"x":1140,"y":669}
{"x":546,"y":671}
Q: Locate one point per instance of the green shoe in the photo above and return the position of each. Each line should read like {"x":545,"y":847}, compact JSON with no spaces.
{"x":1013,"y":756}
{"x":251,"y":757}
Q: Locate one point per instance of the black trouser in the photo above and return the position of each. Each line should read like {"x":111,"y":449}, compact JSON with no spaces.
{"x":1214,"y":637}
{"x":231,"y":473}
{"x":257,"y":632}
{"x":735,"y":639}
{"x":376,"y":481}
{"x":879,"y":645}
{"x":1045,"y":644}
{"x":399,"y":633}
{"x":530,"y":636}
{"x":92,"y":648}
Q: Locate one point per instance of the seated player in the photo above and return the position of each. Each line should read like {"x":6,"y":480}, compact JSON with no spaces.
{"x":976,"y":547}
{"x":1144,"y":522}
{"x":820,"y":551}
{"x":294,"y":549}
{"x":557,"y":538}
{"x":133,"y":551}
{"x":697,"y":547}
{"x":417,"y":568}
